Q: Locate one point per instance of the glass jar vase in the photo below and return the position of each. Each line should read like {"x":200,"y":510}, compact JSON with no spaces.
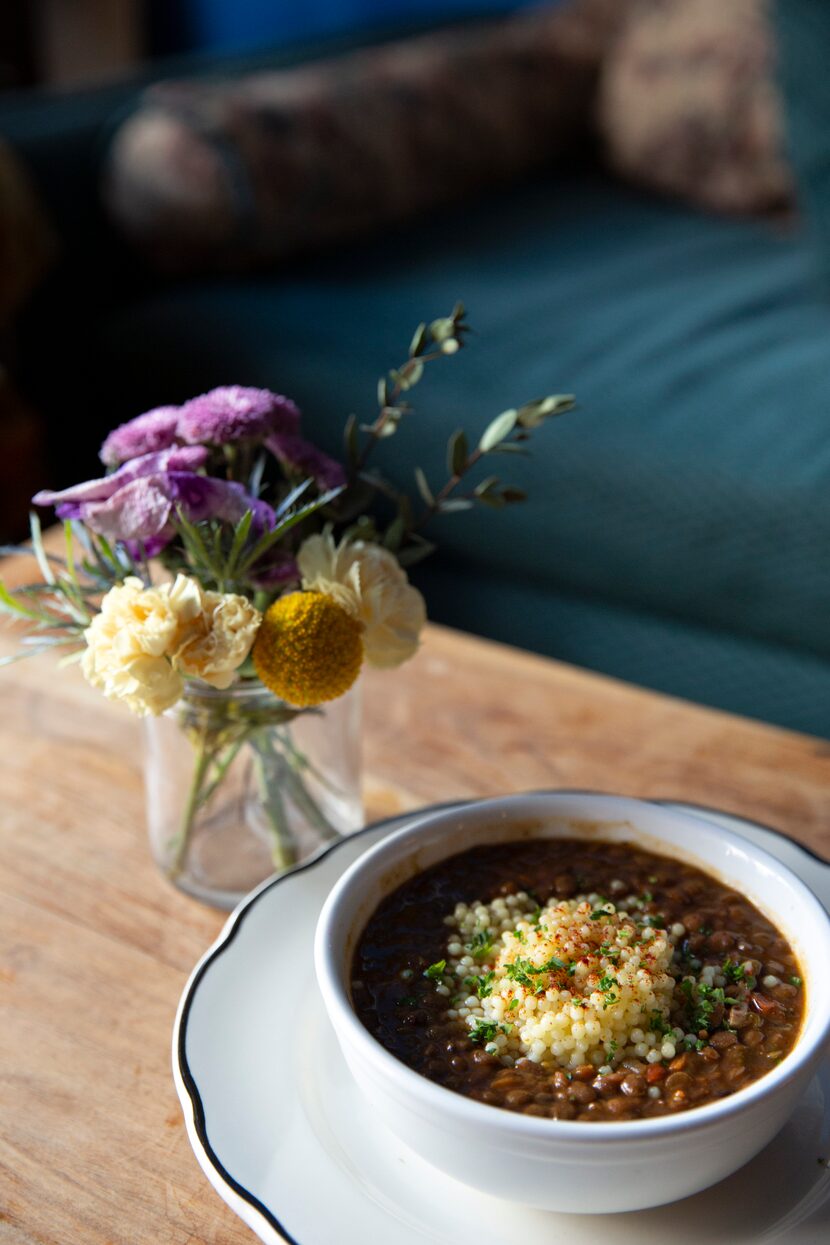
{"x":240,"y":785}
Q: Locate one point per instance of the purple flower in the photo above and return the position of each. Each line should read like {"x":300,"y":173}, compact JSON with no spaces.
{"x":181,"y":458}
{"x":300,"y":456}
{"x":146,"y":434}
{"x":233,"y":413}
{"x":137,"y":504}
{"x":274,"y":570}
{"x":203,"y":497}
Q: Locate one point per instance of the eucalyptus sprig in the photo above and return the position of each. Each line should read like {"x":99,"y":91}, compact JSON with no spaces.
{"x":506,"y":434}
{"x":439,"y":339}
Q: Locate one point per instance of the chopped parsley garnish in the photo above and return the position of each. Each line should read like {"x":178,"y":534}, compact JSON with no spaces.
{"x":553,"y":963}
{"x":514,"y":1003}
{"x":706,"y":930}
{"x":606,"y":985}
{"x":702,"y":1000}
{"x":598,"y":914}
{"x":647,"y":897}
{"x":534,"y":916}
{"x":518,"y":934}
{"x":484,"y":1031}
{"x":660,"y":1025}
{"x":733,"y":971}
{"x":795,"y":981}
{"x":408,"y":1001}
{"x":523,"y":971}
{"x":481,"y":944}
{"x":436,"y":971}
{"x":483,"y":986}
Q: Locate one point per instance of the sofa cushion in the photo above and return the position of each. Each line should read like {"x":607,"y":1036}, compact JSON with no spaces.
{"x":688,"y":103}
{"x":803,"y":30}
{"x":678,"y":656}
{"x":690,"y":485}
{"x":237,"y":173}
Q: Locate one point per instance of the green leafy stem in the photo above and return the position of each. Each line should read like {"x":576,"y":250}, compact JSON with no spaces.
{"x":506,"y":434}
{"x":57,"y":609}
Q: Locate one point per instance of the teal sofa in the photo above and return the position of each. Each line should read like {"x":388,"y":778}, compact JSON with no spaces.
{"x":678,"y":531}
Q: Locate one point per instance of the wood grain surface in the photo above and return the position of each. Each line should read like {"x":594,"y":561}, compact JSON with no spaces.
{"x":95,"y":946}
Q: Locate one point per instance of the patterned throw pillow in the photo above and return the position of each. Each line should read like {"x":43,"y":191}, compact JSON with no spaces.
{"x":688,"y":103}
{"x":232,"y":174}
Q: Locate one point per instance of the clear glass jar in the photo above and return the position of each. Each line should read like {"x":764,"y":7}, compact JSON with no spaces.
{"x":240,"y":785}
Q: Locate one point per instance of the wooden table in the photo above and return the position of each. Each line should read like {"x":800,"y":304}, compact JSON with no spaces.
{"x":96,"y":946}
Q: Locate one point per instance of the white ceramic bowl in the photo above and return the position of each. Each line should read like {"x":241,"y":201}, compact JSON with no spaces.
{"x":569,"y":1165}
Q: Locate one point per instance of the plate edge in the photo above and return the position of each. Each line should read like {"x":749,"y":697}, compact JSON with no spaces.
{"x":184,"y":1082}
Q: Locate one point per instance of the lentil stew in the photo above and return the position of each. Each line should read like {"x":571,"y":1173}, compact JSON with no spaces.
{"x":577,"y":980}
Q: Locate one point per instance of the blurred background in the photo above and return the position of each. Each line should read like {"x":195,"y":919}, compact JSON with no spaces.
{"x":78,"y":42}
{"x":632,"y":197}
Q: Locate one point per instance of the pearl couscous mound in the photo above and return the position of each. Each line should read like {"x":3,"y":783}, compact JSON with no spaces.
{"x":576,"y":982}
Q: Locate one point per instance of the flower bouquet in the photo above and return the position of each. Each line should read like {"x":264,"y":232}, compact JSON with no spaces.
{"x":226,"y":579}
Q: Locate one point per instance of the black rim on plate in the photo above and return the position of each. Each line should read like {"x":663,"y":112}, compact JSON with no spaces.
{"x":199,"y":1122}
{"x":195,"y":1097}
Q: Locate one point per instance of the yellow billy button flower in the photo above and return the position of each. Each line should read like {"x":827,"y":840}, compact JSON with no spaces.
{"x":308,"y":648}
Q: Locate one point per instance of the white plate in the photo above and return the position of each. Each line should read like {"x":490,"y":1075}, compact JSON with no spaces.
{"x":281,"y":1132}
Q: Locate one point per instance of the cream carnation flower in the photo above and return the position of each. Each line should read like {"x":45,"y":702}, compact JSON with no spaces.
{"x":186,"y":598}
{"x":212,"y":644}
{"x":144,"y":640}
{"x":126,"y":646}
{"x":367,"y":580}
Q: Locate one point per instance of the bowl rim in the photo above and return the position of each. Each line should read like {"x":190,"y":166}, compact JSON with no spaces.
{"x":466,"y":1111}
